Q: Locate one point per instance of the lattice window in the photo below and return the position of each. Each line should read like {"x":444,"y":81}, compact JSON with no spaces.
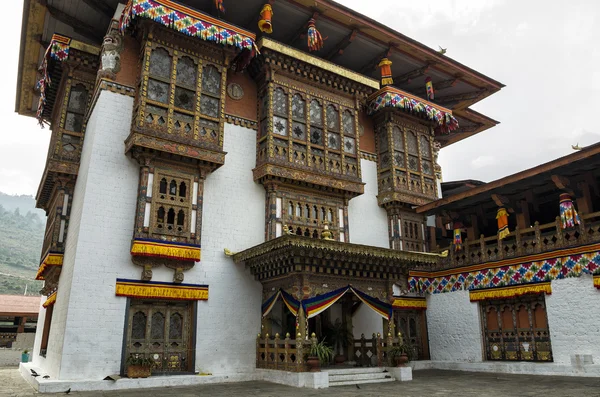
{"x":323,"y":134}
{"x":78,"y":98}
{"x":183,"y":95}
{"x":307,"y":216}
{"x":172,"y":205}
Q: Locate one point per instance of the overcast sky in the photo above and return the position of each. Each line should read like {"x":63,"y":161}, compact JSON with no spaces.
{"x":547,"y":53}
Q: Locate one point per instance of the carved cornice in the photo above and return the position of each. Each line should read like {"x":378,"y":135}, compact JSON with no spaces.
{"x":367,"y":156}
{"x":329,"y":183}
{"x":325,"y":248}
{"x":231,"y":119}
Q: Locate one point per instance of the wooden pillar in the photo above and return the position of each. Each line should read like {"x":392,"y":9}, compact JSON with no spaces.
{"x":584,"y":202}
{"x":22,"y":321}
{"x":523,"y":217}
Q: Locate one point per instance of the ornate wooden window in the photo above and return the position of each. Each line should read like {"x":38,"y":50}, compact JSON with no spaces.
{"x":181,"y":95}
{"x":172,"y":205}
{"x":407,"y":231}
{"x":309,"y":131}
{"x":516,"y":329}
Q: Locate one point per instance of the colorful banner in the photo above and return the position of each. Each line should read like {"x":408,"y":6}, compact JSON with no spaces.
{"x":548,"y":266}
{"x":568,"y":214}
{"x":502,"y":219}
{"x":58,"y":49}
{"x":187,"y":21}
{"x":408,"y":303}
{"x":320,"y":303}
{"x":163,"y":249}
{"x":510,"y":292}
{"x":391,"y":97}
{"x":292,"y":304}
{"x":50,"y":301}
{"x":158,"y":290}
{"x":51,"y":259}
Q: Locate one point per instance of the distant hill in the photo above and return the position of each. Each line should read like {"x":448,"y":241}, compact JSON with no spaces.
{"x":22,"y":229}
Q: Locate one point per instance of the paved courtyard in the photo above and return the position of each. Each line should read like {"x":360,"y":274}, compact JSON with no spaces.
{"x":425,"y":383}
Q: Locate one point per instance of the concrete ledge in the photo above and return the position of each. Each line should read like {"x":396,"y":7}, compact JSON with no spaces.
{"x":312,"y":380}
{"x":524,"y":368}
{"x":401,"y":374}
{"x":56,"y":386}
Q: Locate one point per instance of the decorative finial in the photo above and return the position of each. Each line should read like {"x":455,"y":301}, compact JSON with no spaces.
{"x":326,"y":234}
{"x":442,"y":50}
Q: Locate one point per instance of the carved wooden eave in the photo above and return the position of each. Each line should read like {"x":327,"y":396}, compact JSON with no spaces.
{"x":315,"y":71}
{"x":291,"y":254}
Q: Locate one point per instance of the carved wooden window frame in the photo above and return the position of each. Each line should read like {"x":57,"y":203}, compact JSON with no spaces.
{"x":206,"y":129}
{"x":170,"y":201}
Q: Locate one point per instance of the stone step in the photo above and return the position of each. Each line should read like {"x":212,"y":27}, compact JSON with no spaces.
{"x":359,"y":382}
{"x":360,"y":370}
{"x":367,"y":376}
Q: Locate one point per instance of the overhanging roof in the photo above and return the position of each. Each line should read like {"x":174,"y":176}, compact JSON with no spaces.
{"x":582,"y":161}
{"x":354,"y":42}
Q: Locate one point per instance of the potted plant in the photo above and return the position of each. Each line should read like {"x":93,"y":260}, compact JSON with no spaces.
{"x":25,"y":356}
{"x":401,"y":353}
{"x":319,"y":354}
{"x":341,"y":338}
{"x":138,"y":366}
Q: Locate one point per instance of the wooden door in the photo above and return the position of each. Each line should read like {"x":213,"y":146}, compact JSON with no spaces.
{"x":516,"y":329}
{"x":413,"y":325}
{"x":161,"y":331}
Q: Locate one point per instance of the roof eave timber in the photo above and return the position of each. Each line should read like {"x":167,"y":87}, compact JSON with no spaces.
{"x":433,"y":207}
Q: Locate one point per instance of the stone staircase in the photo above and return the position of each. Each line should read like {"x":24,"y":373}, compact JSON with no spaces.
{"x":357,"y":376}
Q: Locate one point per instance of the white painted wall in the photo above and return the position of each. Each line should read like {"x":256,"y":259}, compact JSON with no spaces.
{"x":234,"y":218}
{"x":367,"y":221}
{"x":574,"y":318}
{"x":366,"y":321}
{"x":97,"y":253}
{"x":453,"y":326}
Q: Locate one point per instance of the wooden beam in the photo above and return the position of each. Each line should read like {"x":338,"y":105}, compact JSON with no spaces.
{"x":470,"y":128}
{"x":303,"y":29}
{"x":502,"y":201}
{"x":460,"y":97}
{"x":531,"y":199}
{"x":101,"y":7}
{"x":342,"y":45}
{"x":442,"y":85}
{"x":561,"y":182}
{"x":407,"y":77}
{"x":78,"y":26}
{"x":372,"y":64}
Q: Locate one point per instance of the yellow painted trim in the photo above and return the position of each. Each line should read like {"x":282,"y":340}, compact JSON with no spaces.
{"x":51,"y":259}
{"x":409,"y":303}
{"x":158,"y":291}
{"x":265,"y":42}
{"x":510,"y":292}
{"x":165,"y":250}
{"x":90,"y":49}
{"x":50,"y":301}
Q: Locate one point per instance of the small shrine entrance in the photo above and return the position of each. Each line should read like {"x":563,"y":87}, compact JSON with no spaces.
{"x":413,"y":325}
{"x":516,"y":329}
{"x":163,"y":332}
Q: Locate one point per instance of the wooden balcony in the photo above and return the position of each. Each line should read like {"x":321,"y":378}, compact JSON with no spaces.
{"x":520,"y":242}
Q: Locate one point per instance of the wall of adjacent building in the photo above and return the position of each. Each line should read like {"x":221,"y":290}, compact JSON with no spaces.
{"x":97,"y":253}
{"x":574,"y":319}
{"x":367,"y":221}
{"x":453,"y":325}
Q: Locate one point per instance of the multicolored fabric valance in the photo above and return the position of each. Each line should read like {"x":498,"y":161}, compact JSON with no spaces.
{"x":568,"y":214}
{"x":51,"y":259}
{"x":547,"y":266}
{"x":157,"y":290}
{"x":391,"y":97}
{"x":50,"y":301}
{"x":292,"y":304}
{"x":510,"y":292}
{"x":58,"y":49}
{"x":165,"y":249}
{"x":187,"y":21}
{"x":409,"y":303}
{"x":320,"y":303}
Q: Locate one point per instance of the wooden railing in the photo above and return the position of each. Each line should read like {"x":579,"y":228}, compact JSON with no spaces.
{"x":288,"y":354}
{"x":533,"y":240}
{"x":282,"y":354}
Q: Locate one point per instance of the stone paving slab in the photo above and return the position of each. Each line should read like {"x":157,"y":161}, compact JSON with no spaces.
{"x":425,"y":383}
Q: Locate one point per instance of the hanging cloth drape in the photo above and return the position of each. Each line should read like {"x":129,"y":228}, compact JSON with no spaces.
{"x":502,"y":218}
{"x":320,"y":303}
{"x":289,"y":301}
{"x":568,"y":214}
